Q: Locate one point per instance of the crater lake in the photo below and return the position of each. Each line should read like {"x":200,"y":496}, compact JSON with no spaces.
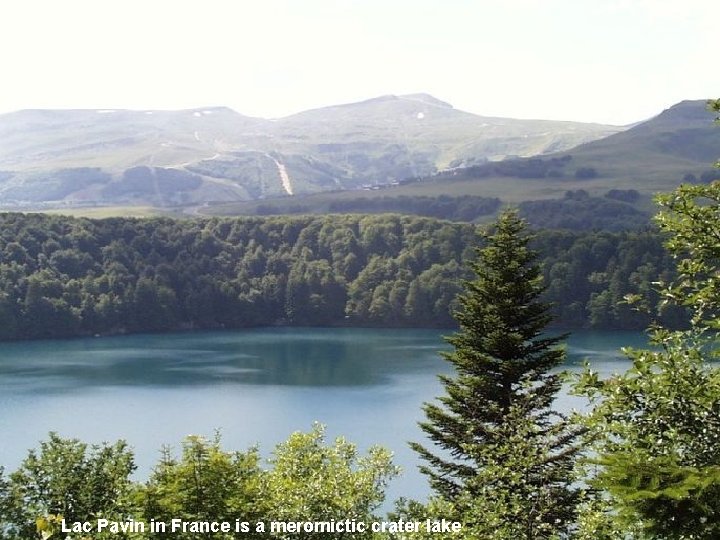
{"x":253,"y":386}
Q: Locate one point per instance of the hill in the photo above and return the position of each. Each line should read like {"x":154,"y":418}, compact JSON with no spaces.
{"x":607,"y":183}
{"x":70,"y":158}
{"x":681,"y":140}
{"x":651,"y":156}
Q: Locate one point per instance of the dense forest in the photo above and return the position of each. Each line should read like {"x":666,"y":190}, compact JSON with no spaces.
{"x":616,"y":210}
{"x":580,"y":211}
{"x":465,"y":208}
{"x":62,"y":276}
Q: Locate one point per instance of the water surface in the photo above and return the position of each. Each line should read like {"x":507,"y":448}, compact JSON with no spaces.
{"x":255,"y":386}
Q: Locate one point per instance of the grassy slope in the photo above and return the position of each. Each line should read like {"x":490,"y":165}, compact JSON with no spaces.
{"x":110,"y":211}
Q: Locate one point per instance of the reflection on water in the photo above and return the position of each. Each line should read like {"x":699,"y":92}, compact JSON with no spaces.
{"x":257,"y":386}
{"x":295,"y":357}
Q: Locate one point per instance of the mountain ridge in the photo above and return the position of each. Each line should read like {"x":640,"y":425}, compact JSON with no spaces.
{"x":608,"y":183}
{"x":225,"y":156}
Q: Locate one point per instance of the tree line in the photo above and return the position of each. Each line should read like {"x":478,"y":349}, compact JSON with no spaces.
{"x":307,"y":478}
{"x":576,"y":210}
{"x":579,"y":211}
{"x":62,"y":276}
{"x":465,"y":208}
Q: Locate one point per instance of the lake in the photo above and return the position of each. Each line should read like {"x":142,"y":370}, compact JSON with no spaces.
{"x":255,"y":386}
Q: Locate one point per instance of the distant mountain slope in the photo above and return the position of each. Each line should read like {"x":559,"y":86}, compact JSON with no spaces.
{"x":681,"y":140}
{"x":678,"y":145}
{"x":607,"y":183}
{"x":420,"y":133}
{"x":56,"y":158}
{"x":38,"y":139}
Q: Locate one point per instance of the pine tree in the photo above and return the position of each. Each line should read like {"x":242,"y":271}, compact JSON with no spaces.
{"x":503,"y":386}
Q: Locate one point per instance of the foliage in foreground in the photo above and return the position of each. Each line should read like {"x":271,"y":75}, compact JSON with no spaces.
{"x":657,"y":427}
{"x":658,"y":435}
{"x":68,"y":479}
{"x":308,"y":479}
{"x":652,"y":438}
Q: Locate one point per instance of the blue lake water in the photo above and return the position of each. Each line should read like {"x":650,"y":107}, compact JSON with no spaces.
{"x":255,"y":386}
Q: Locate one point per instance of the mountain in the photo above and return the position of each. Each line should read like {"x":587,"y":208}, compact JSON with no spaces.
{"x":657,"y":153}
{"x":678,"y":145}
{"x":603,"y":184}
{"x":410,"y":135}
{"x":57,"y":158}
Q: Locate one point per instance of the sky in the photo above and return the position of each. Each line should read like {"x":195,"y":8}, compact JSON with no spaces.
{"x":607,"y":61}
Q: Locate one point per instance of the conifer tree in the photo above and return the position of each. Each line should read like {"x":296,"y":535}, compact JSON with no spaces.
{"x":504,"y":385}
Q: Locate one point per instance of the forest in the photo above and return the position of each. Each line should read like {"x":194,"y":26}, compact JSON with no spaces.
{"x":615,"y":210}
{"x":62,"y":276}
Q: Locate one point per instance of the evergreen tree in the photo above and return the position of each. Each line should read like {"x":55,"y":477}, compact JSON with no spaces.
{"x":503,"y":386}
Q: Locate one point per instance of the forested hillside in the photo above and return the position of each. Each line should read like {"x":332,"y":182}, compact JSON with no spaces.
{"x":62,"y":276}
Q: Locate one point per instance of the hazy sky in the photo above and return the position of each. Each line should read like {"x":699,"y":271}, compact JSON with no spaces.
{"x":611,"y":61}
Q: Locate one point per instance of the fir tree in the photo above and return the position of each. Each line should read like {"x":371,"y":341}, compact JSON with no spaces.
{"x":503,"y":386}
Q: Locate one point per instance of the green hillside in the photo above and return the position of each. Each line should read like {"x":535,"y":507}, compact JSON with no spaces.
{"x":656,"y":154}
